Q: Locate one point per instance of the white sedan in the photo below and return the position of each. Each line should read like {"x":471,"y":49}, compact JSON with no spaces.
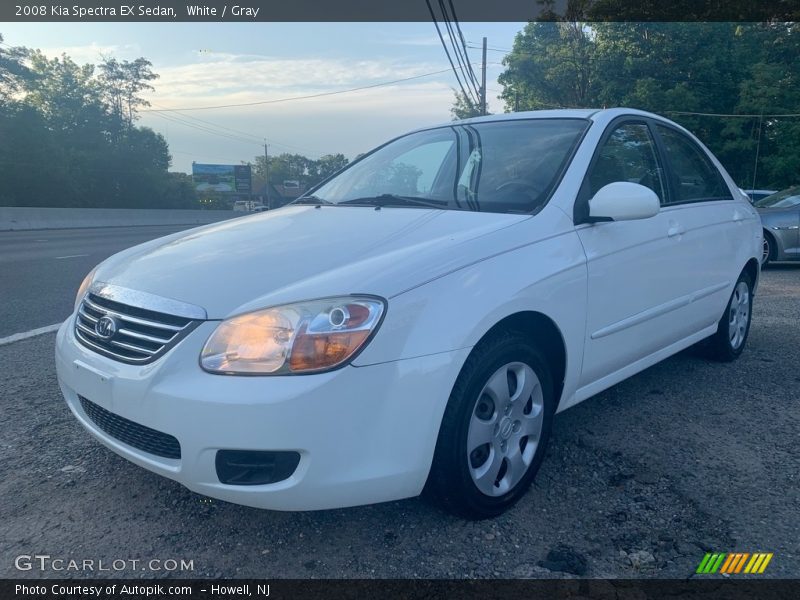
{"x":414,"y":323}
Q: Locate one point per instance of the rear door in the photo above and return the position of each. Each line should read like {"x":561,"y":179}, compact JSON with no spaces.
{"x":709,"y":223}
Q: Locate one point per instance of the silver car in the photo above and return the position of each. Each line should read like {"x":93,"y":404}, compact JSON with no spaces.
{"x":780,"y":216}
{"x":756,"y":195}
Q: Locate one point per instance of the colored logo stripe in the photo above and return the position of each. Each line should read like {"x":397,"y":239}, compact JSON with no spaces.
{"x":711,"y":562}
{"x":758,"y":563}
{"x":734,"y":562}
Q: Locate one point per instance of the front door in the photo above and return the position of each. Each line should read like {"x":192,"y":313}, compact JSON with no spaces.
{"x":634,"y":267}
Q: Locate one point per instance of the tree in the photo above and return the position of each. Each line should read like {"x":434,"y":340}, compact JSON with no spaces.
{"x":325,"y":166}
{"x":69,"y":137}
{"x":179,"y":192}
{"x":463,"y":107}
{"x":296,"y":167}
{"x":551,"y":65}
{"x":674,"y":69}
{"x":65,"y":93}
{"x":123,"y":82}
{"x":773,"y":87}
{"x":13,"y":71}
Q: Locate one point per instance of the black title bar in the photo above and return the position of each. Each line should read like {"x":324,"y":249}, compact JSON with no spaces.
{"x":553,"y":589}
{"x":396,"y":10}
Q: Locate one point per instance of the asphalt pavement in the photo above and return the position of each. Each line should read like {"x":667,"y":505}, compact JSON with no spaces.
{"x":687,"y":457}
{"x":40,"y":270}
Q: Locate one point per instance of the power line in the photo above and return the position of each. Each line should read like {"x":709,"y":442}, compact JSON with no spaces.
{"x":756,"y":116}
{"x":231,"y":130}
{"x":195,"y":154}
{"x":185,"y":123}
{"x":459,"y":48}
{"x":463,"y":44}
{"x":476,"y":46}
{"x":490,"y":49}
{"x":223,"y":127}
{"x":307,"y":97}
{"x":467,"y":96}
{"x":461,"y":60}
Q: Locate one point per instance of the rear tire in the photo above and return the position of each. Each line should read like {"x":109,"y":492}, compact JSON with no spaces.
{"x":495,"y":428}
{"x":728,"y":342}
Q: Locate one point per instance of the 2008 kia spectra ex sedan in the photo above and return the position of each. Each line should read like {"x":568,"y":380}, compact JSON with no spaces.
{"x":415,"y":322}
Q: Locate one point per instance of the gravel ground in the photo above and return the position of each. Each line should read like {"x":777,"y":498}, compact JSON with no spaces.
{"x":686,"y":457}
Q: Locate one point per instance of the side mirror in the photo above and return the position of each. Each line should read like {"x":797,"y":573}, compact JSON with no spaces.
{"x":623,"y":201}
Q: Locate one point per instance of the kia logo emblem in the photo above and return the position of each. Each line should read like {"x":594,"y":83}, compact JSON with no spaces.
{"x":105,"y":327}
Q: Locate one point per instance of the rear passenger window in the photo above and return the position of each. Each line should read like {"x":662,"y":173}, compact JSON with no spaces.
{"x":695,"y":178}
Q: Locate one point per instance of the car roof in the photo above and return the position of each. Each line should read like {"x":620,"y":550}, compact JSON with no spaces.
{"x":574,"y":113}
{"x":595,"y":114}
{"x":604,"y":115}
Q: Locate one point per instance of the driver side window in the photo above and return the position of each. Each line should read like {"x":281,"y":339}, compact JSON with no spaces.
{"x":629,"y":154}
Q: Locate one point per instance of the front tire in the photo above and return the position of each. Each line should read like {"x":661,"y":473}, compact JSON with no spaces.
{"x":728,"y":342}
{"x":495,"y":428}
{"x":768,"y":250}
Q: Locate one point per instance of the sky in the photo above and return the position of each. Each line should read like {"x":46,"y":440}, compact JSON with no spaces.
{"x":211,"y":64}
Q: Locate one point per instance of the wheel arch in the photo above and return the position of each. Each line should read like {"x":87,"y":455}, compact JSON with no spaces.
{"x":774,"y":249}
{"x":545,"y":333}
{"x":753,"y":269}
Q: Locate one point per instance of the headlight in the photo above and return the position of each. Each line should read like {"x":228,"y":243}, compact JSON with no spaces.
{"x":84,"y":287}
{"x":305,"y":337}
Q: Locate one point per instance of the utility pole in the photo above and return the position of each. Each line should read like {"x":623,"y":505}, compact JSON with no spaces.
{"x":483,"y":80}
{"x":266,"y":176}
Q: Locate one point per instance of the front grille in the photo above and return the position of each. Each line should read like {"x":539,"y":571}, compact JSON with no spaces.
{"x":140,"y":336}
{"x":133,"y":434}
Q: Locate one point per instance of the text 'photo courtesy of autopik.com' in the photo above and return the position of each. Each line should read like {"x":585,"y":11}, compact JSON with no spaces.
{"x":420,"y":299}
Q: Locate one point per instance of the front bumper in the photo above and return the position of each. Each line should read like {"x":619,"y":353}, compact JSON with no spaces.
{"x":364,"y":434}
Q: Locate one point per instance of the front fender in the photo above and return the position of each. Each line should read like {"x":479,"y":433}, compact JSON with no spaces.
{"x":455,"y":311}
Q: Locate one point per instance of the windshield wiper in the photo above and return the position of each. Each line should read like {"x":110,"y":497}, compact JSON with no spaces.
{"x":311,"y":200}
{"x":396,"y":200}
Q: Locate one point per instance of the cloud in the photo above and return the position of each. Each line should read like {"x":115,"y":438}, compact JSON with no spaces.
{"x":349,"y":123}
{"x":237,"y":76}
{"x":426,"y":40}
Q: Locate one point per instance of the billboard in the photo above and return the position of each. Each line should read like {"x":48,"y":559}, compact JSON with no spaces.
{"x":232,"y":179}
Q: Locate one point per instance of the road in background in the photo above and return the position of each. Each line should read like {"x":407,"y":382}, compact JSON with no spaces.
{"x":41,"y":270}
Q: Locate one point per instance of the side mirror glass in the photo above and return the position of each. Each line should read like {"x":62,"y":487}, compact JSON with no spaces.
{"x":623,"y":201}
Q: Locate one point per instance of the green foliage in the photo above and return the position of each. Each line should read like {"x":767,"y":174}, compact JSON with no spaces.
{"x":550,"y":67}
{"x":122,"y":82}
{"x":296,"y":167}
{"x":12,"y":71}
{"x":69,"y":137}
{"x":463,"y":107}
{"x":673,"y":68}
{"x":327,"y":165}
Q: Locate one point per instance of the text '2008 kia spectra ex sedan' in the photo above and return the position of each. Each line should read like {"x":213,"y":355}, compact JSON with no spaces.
{"x":414,"y":323}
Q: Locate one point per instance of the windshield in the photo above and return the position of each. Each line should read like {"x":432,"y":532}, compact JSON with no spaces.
{"x":782,"y":199}
{"x":499,"y":166}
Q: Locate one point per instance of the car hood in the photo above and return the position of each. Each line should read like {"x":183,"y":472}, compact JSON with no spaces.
{"x":303,"y":252}
{"x":786,"y":216}
{"x":768,"y":210}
